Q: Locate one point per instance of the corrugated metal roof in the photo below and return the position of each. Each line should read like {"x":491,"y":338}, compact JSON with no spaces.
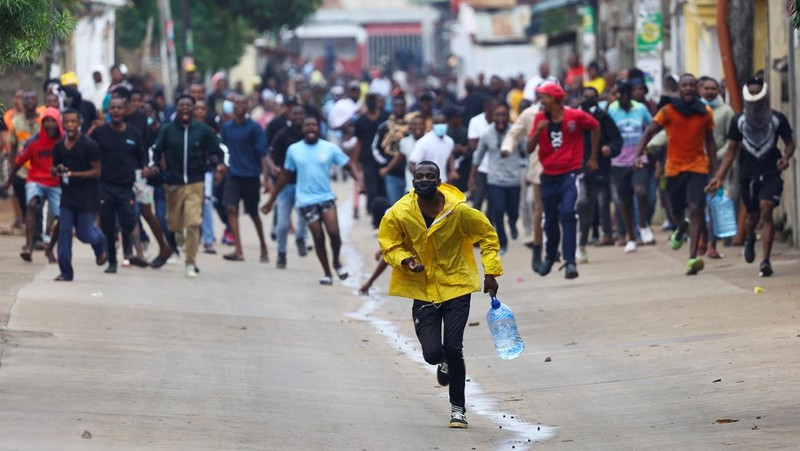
{"x":367,"y":4}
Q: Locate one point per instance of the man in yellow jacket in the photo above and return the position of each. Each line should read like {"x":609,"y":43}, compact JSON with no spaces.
{"x":427,"y":237}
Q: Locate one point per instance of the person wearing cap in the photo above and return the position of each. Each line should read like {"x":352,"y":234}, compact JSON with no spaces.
{"x":557,"y":134}
{"x":345,"y":108}
{"x":74,"y":99}
{"x":756,"y":131}
{"x":691,"y":155}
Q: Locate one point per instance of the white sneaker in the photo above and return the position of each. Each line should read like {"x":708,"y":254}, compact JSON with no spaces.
{"x":191,"y":271}
{"x":647,"y":235}
{"x":630,"y":247}
{"x":581,"y":256}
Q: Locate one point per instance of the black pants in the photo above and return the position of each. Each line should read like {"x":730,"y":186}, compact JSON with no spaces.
{"x":373,"y":183}
{"x":593,"y":200}
{"x":117,"y":204}
{"x":428,"y":320}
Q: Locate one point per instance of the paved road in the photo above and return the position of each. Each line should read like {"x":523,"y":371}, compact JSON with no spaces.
{"x":250,"y":357}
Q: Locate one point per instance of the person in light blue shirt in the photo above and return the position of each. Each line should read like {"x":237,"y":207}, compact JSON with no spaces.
{"x":632,"y":118}
{"x":310,"y":161}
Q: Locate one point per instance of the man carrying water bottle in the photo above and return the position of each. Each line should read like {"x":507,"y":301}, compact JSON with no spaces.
{"x":427,"y":237}
{"x":760,"y":165}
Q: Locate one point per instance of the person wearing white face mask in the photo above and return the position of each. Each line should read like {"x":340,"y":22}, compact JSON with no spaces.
{"x":435,"y":146}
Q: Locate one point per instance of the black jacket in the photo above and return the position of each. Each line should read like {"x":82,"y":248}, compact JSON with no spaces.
{"x":188,"y":151}
{"x":609,"y":136}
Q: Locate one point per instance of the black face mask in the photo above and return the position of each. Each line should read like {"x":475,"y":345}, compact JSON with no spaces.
{"x":426,"y":189}
{"x":589,"y":106}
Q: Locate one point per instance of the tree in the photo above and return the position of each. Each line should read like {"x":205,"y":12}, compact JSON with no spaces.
{"x":794,"y":11}
{"x":221,"y":28}
{"x":29,"y":28}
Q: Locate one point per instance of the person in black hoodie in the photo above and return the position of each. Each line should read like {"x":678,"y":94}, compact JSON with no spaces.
{"x":595,"y":185}
{"x":184,"y":150}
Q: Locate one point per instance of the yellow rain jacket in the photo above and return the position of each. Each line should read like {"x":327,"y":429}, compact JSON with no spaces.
{"x":445,"y":249}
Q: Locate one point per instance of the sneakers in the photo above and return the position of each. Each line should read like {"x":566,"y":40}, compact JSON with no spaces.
{"x":765,"y":270}
{"x":581,"y":256}
{"x":458,"y":420}
{"x":503,"y":251}
{"x":676,"y":239}
{"x":749,"y":251}
{"x":571,"y":271}
{"x":302,"y":249}
{"x":191,"y":271}
{"x":694,"y":266}
{"x":208,"y":248}
{"x":630,"y":247}
{"x":443,"y":374}
{"x":227,"y":238}
{"x":514,"y":231}
{"x":536,"y":261}
{"x":112,"y":268}
{"x":281,"y":264}
{"x":647,"y":235}
{"x":547,"y":265}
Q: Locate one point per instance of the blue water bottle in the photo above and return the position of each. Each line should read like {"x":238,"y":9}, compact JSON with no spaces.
{"x":503,"y":327}
{"x":723,"y":213}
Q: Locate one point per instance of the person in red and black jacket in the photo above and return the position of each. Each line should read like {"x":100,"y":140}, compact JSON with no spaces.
{"x":557,"y":133}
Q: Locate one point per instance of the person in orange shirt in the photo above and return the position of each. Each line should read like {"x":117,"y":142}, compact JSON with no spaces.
{"x":23,"y":125}
{"x":691,"y":156}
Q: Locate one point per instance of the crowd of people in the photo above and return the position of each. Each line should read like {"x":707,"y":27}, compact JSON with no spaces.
{"x":578,"y":158}
{"x":557,"y":163}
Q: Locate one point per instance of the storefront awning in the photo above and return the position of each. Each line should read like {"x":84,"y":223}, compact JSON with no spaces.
{"x":548,"y":5}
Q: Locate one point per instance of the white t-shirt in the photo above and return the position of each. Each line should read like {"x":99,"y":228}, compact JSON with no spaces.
{"x":342,"y":111}
{"x":432,"y":148}
{"x":406,"y":147}
{"x":478,"y":126}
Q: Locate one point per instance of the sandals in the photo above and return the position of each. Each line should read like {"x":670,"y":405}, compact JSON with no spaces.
{"x":233,"y":258}
{"x":342,"y":273}
{"x":26,"y":255}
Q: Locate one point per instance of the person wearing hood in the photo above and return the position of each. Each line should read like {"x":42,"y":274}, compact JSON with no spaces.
{"x":95,"y":90}
{"x":189,"y":148}
{"x":41,"y":184}
{"x":756,"y":133}
{"x":691,"y":155}
{"x":595,"y":192}
{"x":427,"y":238}
{"x":723,"y":113}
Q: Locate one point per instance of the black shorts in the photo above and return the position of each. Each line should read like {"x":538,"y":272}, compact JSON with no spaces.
{"x":768,"y":187}
{"x":687,"y":189}
{"x":623,"y":179}
{"x":313,"y":213}
{"x":247,"y":189}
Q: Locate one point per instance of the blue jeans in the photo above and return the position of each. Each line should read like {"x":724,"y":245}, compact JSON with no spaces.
{"x":87,"y":232}
{"x":395,"y":188}
{"x":559,"y":196}
{"x":283,"y":213}
{"x":207,"y":229}
{"x":503,"y":201}
{"x":52,"y":194}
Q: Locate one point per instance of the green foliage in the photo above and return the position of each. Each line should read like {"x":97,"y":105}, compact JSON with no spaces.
{"x":221,"y":28}
{"x":794,"y":10}
{"x":29,"y":29}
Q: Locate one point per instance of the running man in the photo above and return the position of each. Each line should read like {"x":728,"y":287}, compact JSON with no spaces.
{"x":76,"y":160}
{"x":247,"y":150}
{"x":760,"y":165}
{"x":557,"y":133}
{"x":310,"y":161}
{"x":427,"y":237}
{"x":632,"y":118}
{"x":691,"y":155}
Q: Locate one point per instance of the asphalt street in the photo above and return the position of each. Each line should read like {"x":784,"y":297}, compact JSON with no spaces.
{"x":631,"y":355}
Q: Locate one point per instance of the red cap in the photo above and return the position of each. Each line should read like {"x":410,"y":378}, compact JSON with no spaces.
{"x":551,"y":89}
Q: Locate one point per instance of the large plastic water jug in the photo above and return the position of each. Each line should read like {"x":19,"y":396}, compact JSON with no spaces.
{"x":723,"y":215}
{"x":503,"y":328}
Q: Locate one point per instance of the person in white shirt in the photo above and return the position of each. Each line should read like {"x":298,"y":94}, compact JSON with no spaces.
{"x":529,"y":92}
{"x":435,"y":146}
{"x":344,"y":108}
{"x":407,"y":144}
{"x":478,"y":126}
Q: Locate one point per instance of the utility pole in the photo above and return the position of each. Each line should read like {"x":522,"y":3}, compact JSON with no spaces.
{"x":187,"y":38}
{"x":169,"y":59}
